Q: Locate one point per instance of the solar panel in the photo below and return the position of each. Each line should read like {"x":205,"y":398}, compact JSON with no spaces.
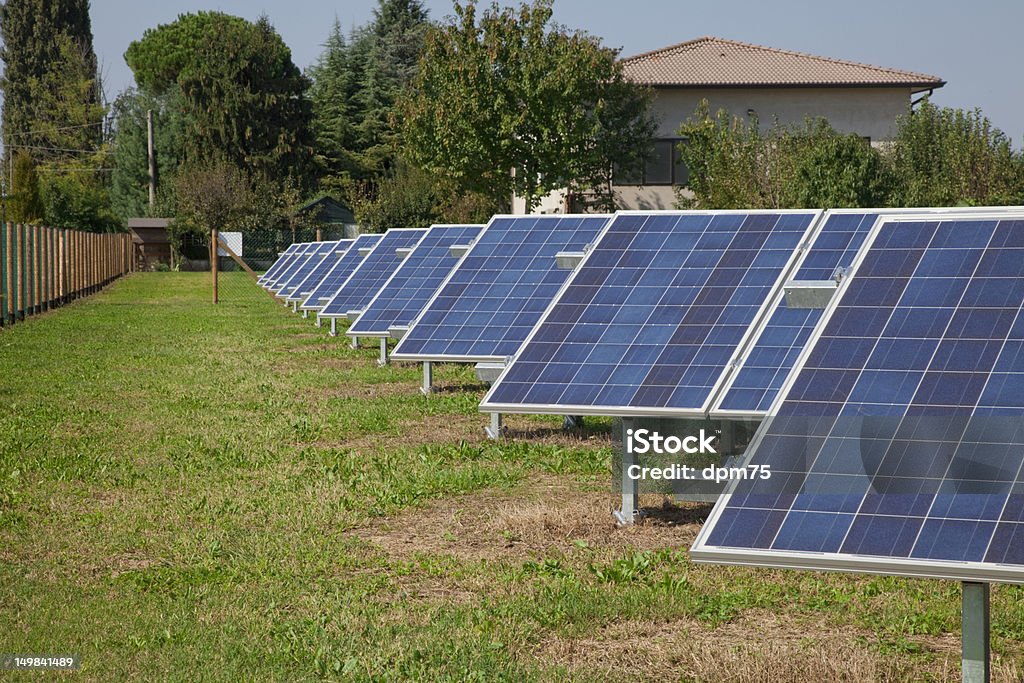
{"x":303,"y":254}
{"x":296,"y":249}
{"x":756,"y":381}
{"x":415,"y":281}
{"x":316,"y":255}
{"x":341,"y":271}
{"x":367,"y":279}
{"x":489,"y":303}
{"x":319,"y":271}
{"x":653,"y":317}
{"x":281,"y":261}
{"x":895,"y":445}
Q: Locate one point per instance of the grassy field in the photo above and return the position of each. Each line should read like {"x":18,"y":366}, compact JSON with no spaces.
{"x":225,"y":493}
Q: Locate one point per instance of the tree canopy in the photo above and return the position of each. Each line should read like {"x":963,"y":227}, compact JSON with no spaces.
{"x":509,"y":102}
{"x":244,"y":100}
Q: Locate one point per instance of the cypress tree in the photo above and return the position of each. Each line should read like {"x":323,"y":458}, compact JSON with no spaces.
{"x":40,"y":38}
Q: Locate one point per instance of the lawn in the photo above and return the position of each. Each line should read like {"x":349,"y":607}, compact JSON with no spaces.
{"x":225,"y":493}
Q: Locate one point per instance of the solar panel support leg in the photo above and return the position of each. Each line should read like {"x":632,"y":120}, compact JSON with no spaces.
{"x":334,"y":327}
{"x":355,"y":343}
{"x":319,"y":323}
{"x":383,"y":360}
{"x":295,"y":307}
{"x":305,"y":313}
{"x":494,"y":429}
{"x":630,"y":511}
{"x":428,"y":379}
{"x":975,"y":632}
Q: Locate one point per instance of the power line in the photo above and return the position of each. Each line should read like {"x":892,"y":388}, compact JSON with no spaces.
{"x":52,"y":130}
{"x":60,"y":149}
{"x":76,"y":169}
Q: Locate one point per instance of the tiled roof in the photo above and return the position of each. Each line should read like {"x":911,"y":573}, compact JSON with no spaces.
{"x":710,"y":62}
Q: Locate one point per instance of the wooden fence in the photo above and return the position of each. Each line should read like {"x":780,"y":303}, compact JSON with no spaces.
{"x":42,"y":268}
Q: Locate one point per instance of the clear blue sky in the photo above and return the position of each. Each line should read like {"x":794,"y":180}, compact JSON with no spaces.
{"x":974,"y":45}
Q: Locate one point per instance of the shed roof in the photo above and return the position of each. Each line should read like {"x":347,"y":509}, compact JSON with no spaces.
{"x":716,"y":62}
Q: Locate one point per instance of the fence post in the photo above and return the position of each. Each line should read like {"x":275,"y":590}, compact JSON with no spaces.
{"x":30,"y":276}
{"x":37,"y":280}
{"x":76,"y":256}
{"x":48,"y":270}
{"x":5,"y":274}
{"x":19,"y":280}
{"x":213,"y":261}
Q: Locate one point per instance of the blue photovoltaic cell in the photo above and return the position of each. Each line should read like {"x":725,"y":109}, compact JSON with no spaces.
{"x":317,"y":254}
{"x":654,"y":314}
{"x":498,"y":292}
{"x":302,"y":255}
{"x":280,"y":263}
{"x":901,"y":436}
{"x":773,"y":354}
{"x":409,"y":290}
{"x":370,"y":275}
{"x":319,"y":271}
{"x":340,"y":273}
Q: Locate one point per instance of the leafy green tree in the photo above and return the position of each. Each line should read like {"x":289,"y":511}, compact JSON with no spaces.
{"x":24,"y":204}
{"x":244,"y":99}
{"x":78,"y":197}
{"x":837,"y":171}
{"x":945,"y":157}
{"x":129,"y":188}
{"x":511,"y":103}
{"x":734,"y":165}
{"x":52,"y":95}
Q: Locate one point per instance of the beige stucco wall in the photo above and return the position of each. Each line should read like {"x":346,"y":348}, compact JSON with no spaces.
{"x":870,"y":112}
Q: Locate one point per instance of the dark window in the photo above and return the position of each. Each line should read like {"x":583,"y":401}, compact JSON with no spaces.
{"x":663,"y":166}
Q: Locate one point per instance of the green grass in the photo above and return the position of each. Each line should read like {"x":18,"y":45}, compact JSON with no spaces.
{"x":184,"y":491}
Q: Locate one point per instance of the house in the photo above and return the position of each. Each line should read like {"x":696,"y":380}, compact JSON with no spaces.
{"x":747,"y":81}
{"x":329,"y":218}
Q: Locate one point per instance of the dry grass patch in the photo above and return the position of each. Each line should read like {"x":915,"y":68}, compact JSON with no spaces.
{"x":548,"y":514}
{"x":756,"y":647}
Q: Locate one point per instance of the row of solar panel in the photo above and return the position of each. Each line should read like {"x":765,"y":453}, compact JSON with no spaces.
{"x":896,"y":436}
{"x":669,"y":313}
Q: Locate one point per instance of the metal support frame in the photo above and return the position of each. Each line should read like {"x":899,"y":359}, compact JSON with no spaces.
{"x":428,"y":379}
{"x":305,"y":314}
{"x":494,"y":429}
{"x":319,"y":322}
{"x":355,"y":342}
{"x":630,"y":510}
{"x":334,"y":327}
{"x":974,"y":633}
{"x":383,"y":360}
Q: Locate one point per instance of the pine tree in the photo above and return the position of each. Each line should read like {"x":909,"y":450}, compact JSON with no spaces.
{"x":397,"y":34}
{"x":48,"y":56}
{"x":333,"y":94}
{"x":244,"y":99}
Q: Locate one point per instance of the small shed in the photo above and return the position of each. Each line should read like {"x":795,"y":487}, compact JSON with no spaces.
{"x":151,"y":242}
{"x":331,"y":217}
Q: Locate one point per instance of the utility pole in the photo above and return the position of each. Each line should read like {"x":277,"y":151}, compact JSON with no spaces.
{"x":152,"y":158}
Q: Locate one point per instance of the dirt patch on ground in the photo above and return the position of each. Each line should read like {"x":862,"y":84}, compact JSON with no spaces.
{"x":548,"y":514}
{"x":758,"y":646}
